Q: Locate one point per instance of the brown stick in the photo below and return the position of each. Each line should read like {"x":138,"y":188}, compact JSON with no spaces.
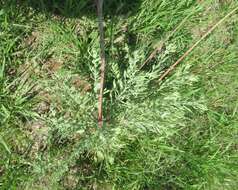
{"x":103,"y":61}
{"x":196,"y":44}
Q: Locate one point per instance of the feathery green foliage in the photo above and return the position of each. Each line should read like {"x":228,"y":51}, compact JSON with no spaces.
{"x":178,"y":134}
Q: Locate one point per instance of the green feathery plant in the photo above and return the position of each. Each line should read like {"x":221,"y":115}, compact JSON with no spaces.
{"x":177,"y":134}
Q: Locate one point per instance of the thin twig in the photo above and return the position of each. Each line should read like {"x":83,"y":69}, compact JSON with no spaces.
{"x":159,"y":48}
{"x":103,"y":61}
{"x":171,"y":68}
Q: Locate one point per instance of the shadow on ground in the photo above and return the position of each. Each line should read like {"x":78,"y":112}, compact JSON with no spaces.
{"x":78,"y":8}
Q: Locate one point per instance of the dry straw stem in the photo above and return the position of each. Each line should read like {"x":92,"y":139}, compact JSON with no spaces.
{"x":103,"y":61}
{"x":196,"y":44}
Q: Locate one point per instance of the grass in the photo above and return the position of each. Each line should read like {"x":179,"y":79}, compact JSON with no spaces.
{"x":178,"y":134}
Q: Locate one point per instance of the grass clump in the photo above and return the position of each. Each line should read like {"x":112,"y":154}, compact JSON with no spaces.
{"x":177,"y":134}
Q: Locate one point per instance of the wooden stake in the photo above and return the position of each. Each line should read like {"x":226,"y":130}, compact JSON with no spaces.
{"x":172,"y":67}
{"x":103,"y":61}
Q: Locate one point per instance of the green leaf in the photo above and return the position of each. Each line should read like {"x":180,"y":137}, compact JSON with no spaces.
{"x":5,"y":145}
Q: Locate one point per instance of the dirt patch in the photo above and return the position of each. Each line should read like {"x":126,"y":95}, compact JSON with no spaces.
{"x":43,"y":107}
{"x":52,"y":65}
{"x":38,"y":132}
{"x":31,"y":39}
{"x":81,"y":84}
